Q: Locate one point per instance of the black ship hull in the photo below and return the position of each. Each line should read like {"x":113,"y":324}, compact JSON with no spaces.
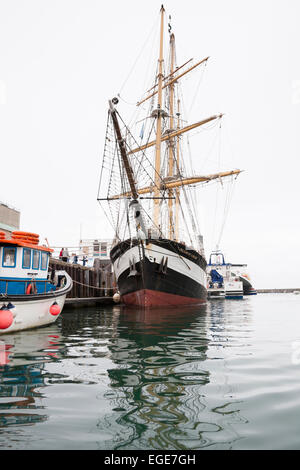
{"x":159,"y":273}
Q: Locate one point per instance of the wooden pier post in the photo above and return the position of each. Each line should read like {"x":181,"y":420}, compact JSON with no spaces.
{"x":90,"y":283}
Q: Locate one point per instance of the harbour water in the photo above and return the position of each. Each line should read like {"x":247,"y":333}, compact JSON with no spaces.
{"x":223,"y":376}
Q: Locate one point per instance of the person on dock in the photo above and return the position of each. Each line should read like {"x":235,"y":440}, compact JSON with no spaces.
{"x":84,"y":260}
{"x":60,"y":253}
{"x":75,"y":259}
{"x":65,"y":255}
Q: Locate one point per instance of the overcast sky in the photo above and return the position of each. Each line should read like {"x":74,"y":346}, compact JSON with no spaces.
{"x":60,"y":62}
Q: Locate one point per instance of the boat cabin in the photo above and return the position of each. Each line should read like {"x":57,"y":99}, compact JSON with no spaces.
{"x":218,"y":265}
{"x":23,"y":265}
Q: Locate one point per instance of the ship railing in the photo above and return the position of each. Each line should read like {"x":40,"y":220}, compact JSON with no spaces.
{"x":26,"y":283}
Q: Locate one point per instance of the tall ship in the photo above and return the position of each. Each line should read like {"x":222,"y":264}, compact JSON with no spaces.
{"x":147,"y":194}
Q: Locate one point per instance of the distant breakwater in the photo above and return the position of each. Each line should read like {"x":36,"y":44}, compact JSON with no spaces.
{"x":278,"y":291}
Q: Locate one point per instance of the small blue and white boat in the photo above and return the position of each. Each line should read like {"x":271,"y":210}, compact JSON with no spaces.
{"x":30,"y":296}
{"x":222,"y":282}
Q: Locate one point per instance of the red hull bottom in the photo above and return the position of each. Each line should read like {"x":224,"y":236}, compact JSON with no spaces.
{"x":151,"y":298}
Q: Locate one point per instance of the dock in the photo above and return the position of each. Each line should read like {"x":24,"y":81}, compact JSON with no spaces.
{"x":91,"y":285}
{"x":96,"y":285}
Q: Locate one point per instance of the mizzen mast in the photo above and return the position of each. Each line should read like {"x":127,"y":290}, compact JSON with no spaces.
{"x":178,"y":169}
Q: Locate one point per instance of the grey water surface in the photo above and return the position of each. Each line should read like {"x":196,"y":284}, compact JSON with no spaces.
{"x":222,"y":376}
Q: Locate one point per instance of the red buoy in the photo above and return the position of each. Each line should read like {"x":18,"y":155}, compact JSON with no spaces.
{"x":6,"y":319}
{"x":55,"y":309}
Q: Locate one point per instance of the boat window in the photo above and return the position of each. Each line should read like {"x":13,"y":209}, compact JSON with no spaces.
{"x":26,"y":258}
{"x":9,"y":257}
{"x":36,"y":260}
{"x":44,"y":261}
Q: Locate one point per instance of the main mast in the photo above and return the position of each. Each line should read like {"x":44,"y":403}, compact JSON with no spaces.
{"x":157,"y":177}
{"x":171,"y":142}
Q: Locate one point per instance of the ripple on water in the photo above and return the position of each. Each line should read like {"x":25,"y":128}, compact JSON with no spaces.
{"x":217,"y":377}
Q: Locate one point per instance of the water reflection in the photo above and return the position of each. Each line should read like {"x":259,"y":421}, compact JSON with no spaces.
{"x":22,"y":375}
{"x":156,"y":388}
{"x":156,"y":379}
{"x":160,"y":387}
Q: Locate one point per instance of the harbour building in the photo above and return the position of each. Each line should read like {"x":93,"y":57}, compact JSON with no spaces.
{"x":96,"y":249}
{"x":9,"y":219}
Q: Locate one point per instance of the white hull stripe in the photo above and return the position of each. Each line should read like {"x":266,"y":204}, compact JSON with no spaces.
{"x":175,"y":262}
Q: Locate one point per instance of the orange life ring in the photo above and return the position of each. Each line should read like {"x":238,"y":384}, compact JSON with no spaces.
{"x":31,"y":289}
{"x":26,"y":234}
{"x":25,"y":239}
{"x":28,"y":290}
{"x":33,"y":241}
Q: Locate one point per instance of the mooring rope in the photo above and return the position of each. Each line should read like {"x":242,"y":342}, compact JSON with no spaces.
{"x":94,"y":287}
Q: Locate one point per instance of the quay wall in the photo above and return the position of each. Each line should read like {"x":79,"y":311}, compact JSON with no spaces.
{"x":88,"y":282}
{"x":94,"y":285}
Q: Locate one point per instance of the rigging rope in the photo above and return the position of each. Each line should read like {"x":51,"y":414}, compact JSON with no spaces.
{"x":226,"y":210}
{"x":139,"y":55}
